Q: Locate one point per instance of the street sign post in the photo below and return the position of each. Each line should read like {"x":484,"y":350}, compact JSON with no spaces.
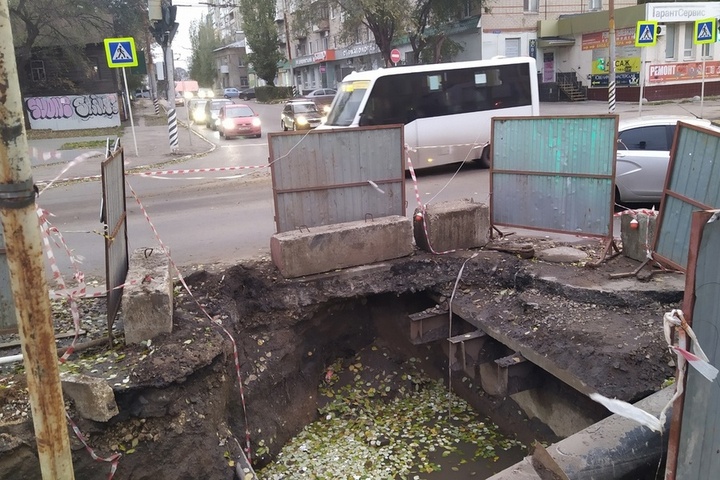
{"x":645,"y":36}
{"x":705,"y":33}
{"x":395,"y":56}
{"x":121,"y":53}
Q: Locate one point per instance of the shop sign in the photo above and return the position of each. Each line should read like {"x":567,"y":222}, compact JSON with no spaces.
{"x":683,"y":71}
{"x":621,"y":80}
{"x":316,"y":57}
{"x":357,"y":51}
{"x":683,"y":13}
{"x":623,"y":37}
{"x":622,"y":65}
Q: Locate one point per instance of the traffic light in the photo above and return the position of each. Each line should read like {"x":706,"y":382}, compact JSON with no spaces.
{"x":163,"y":30}
{"x":601,"y":64}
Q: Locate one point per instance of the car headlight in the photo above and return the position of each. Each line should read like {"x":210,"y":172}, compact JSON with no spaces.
{"x":228,"y":124}
{"x":199,"y":116}
{"x":326,"y":109}
{"x":256,"y":122}
{"x":213,"y":115}
{"x":301,"y":120}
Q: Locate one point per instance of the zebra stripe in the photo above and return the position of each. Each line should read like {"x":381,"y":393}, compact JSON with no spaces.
{"x":172,"y":128}
{"x":611,"y":97}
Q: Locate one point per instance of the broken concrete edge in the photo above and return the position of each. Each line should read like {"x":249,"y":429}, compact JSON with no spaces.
{"x":147,"y":299}
{"x":94,"y":399}
{"x":615,"y":446}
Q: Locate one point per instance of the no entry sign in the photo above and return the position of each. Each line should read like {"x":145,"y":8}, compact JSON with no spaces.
{"x":395,"y":55}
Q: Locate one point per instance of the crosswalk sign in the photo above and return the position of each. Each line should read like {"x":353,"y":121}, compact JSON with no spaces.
{"x":646,"y":33}
{"x":705,"y":31}
{"x":120,"y":52}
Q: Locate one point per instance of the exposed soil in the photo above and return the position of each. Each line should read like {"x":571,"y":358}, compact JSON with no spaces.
{"x":182,"y":414}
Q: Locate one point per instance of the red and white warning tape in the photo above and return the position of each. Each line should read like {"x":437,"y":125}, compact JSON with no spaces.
{"x":113,"y":459}
{"x":217,"y":322}
{"x":420,"y":216}
{"x":47,"y":231}
{"x":78,"y":160}
{"x":45,"y":155}
{"x":199,"y":170}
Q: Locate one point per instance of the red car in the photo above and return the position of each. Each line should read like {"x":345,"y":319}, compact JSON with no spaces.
{"x":237,"y":120}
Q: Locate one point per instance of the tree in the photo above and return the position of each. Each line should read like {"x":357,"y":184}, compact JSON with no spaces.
{"x":421,"y":20}
{"x":52,"y":30}
{"x":261,"y":37}
{"x":203,"y":41}
{"x":426,"y":28}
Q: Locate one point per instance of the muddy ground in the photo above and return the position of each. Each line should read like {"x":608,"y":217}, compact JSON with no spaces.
{"x":183,"y":415}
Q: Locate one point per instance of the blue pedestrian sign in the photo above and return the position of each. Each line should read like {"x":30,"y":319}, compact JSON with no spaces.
{"x":646,"y":33}
{"x":120,"y":52}
{"x":705,"y":31}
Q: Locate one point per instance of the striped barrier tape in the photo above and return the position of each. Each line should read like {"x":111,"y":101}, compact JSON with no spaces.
{"x":78,"y":160}
{"x":45,"y":155}
{"x":421,"y":215}
{"x":217,"y":322}
{"x":47,"y":230}
{"x":197,"y":170}
{"x":113,"y":459}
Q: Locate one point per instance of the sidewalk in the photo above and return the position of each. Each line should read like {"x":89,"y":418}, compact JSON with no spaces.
{"x":153,"y":146}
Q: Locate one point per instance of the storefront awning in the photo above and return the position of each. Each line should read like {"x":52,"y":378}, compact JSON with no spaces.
{"x":555,"y":42}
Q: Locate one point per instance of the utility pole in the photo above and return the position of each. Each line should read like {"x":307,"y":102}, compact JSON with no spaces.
{"x":164,"y":31}
{"x":611,"y":75}
{"x":23,"y":243}
{"x":289,"y":47}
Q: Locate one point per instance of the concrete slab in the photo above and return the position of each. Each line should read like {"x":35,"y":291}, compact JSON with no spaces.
{"x":342,"y":245}
{"x":636,"y":241}
{"x":93,"y":397}
{"x":147,"y":302}
{"x":453,"y":225}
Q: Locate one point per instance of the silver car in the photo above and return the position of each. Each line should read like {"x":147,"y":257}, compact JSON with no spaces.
{"x":643,"y":154}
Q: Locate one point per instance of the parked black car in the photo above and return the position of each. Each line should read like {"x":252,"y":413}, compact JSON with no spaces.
{"x":248,"y":93}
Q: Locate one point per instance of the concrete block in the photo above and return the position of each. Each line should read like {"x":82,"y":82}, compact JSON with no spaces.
{"x":636,"y":241}
{"x":147,"y":302}
{"x":341,"y":245}
{"x":93,"y":397}
{"x":454,"y":225}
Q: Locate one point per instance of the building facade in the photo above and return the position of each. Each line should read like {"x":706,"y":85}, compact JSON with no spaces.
{"x":568,"y":40}
{"x":670,"y":69}
{"x":231,"y":65}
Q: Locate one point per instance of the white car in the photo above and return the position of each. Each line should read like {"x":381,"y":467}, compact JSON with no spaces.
{"x":643,"y":154}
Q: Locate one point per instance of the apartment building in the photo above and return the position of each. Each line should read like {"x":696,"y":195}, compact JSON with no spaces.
{"x":320,"y":59}
{"x":568,"y":38}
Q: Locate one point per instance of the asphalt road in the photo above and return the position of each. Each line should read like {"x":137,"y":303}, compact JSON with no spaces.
{"x":225,"y":217}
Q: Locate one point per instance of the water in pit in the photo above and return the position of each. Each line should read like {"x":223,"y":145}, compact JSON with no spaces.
{"x":380,"y":418}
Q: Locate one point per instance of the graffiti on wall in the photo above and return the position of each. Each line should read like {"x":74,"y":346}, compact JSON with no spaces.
{"x":73,"y":112}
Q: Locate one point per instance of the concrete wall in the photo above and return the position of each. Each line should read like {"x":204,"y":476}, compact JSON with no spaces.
{"x":73,"y":112}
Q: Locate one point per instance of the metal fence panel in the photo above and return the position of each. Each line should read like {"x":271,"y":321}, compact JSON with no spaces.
{"x":116,"y":244}
{"x":700,"y":432}
{"x":693,"y":183}
{"x":8,"y":319}
{"x":334,"y":176}
{"x":554,"y":173}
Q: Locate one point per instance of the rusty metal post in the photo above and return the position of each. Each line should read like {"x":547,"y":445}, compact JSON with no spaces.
{"x":27,"y":271}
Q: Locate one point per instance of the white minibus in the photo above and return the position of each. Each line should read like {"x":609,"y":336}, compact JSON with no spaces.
{"x":446,"y":107}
